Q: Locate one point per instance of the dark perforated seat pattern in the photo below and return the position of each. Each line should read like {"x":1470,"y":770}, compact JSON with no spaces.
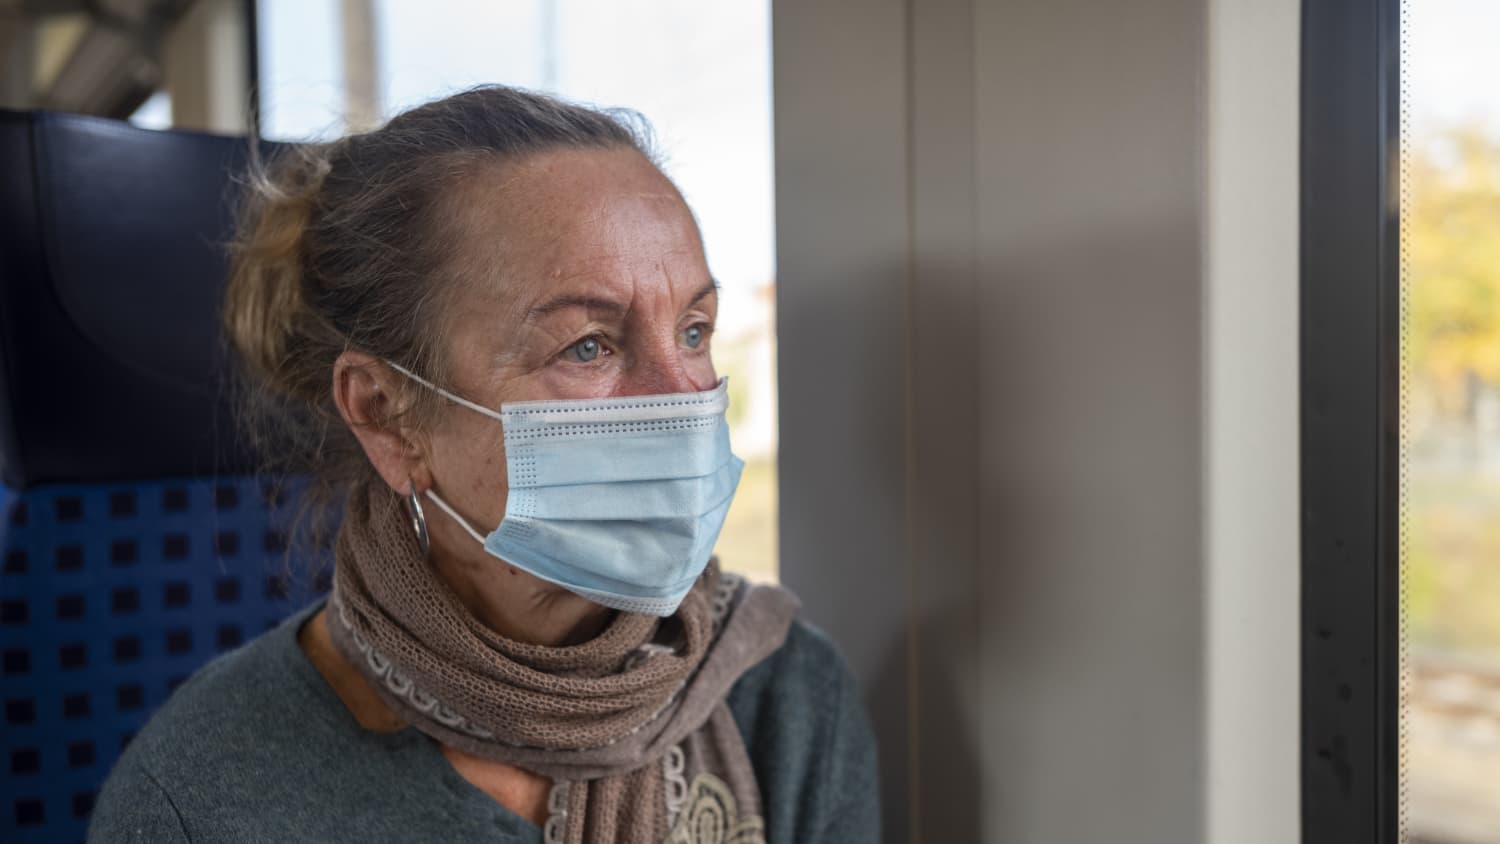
{"x":110,"y":597}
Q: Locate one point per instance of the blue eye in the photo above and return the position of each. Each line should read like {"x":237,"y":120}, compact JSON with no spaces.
{"x":584,"y":350}
{"x":693,"y":336}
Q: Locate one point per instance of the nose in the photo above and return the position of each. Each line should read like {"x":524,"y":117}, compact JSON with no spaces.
{"x":659,"y":369}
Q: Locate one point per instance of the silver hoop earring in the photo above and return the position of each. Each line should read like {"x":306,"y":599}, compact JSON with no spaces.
{"x":418,"y":518}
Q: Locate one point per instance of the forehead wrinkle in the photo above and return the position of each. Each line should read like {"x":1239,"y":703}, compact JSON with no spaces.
{"x":498,"y":219}
{"x":598,"y":221}
{"x":607,"y":280}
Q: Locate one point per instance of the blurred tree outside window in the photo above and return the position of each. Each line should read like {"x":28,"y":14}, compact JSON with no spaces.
{"x":1451,"y":423}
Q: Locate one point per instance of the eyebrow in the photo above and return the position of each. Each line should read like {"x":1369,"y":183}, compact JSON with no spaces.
{"x":596,"y":303}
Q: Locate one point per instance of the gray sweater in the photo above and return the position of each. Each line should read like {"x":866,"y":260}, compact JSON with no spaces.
{"x":257,"y":747}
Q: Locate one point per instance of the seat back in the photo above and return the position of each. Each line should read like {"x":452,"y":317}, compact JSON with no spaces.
{"x":137,"y":541}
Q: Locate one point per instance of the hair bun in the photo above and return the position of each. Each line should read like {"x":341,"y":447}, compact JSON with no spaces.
{"x":264,"y":302}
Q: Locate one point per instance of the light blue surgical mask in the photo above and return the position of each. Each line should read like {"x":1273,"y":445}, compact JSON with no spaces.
{"x":619,"y":500}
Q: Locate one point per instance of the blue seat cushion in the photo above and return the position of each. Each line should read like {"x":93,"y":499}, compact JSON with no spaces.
{"x":112,"y":595}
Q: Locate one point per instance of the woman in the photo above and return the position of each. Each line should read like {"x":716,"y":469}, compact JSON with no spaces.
{"x":487,"y":327}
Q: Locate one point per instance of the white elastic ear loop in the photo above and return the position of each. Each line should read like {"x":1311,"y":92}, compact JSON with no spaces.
{"x":477,"y":408}
{"x":456,"y":517}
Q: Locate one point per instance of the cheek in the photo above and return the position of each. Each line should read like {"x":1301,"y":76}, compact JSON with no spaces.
{"x":468,"y":464}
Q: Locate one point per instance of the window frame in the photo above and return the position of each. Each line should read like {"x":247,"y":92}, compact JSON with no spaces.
{"x":1350,"y":420}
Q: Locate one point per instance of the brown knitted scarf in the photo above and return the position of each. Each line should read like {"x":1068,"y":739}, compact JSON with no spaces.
{"x":631,"y":726}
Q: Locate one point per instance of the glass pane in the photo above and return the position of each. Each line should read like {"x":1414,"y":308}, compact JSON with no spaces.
{"x":155,"y":112}
{"x":1451,"y":422}
{"x":301,"y":74}
{"x":700,"y":72}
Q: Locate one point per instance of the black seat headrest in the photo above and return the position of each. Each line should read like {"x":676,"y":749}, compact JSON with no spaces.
{"x":112,"y":268}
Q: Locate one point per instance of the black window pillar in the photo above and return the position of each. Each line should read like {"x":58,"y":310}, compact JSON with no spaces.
{"x":1350,"y":420}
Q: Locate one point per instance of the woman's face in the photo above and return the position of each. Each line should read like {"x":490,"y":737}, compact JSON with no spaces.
{"x":584,"y":278}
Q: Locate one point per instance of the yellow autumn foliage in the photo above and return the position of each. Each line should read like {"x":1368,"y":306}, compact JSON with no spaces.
{"x":1451,"y":244}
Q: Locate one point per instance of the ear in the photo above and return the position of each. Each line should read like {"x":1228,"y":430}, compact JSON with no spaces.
{"x":368,"y":396}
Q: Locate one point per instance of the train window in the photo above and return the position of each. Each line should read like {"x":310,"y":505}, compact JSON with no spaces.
{"x":1450,"y":424}
{"x":1400,"y":358}
{"x":155,"y":112}
{"x":700,"y":72}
